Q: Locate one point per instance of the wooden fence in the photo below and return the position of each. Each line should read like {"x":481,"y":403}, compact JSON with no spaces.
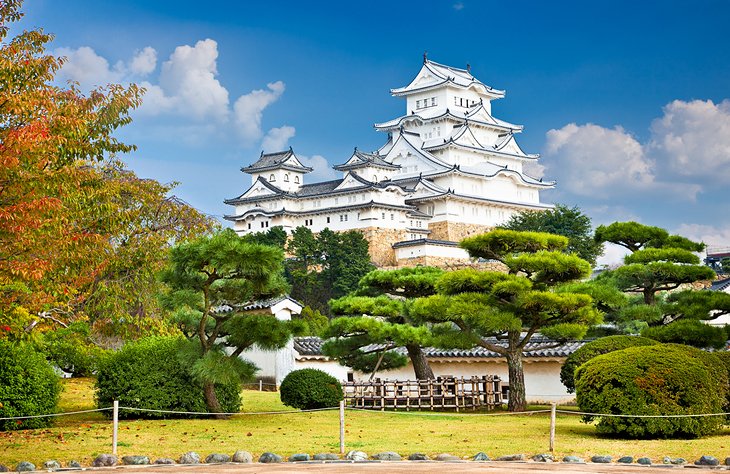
{"x":453,"y":393}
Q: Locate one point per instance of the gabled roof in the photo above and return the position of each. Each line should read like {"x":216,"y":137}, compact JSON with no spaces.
{"x":260,"y":181}
{"x":279,"y":160}
{"x":360,"y":159}
{"x":464,"y":137}
{"x":721,"y":285}
{"x":433,"y":74}
{"x":417,"y":150}
{"x":478,"y":116}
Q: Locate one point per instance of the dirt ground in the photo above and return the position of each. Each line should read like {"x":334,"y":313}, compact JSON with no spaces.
{"x":409,"y":466}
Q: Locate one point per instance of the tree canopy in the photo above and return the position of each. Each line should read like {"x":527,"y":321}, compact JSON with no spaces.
{"x":502,"y":312}
{"x":212,"y":280}
{"x":569,"y":222}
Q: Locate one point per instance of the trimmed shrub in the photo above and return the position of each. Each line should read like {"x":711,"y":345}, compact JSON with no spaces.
{"x":149,"y":374}
{"x":691,"y":332}
{"x":72,"y":350}
{"x":664,"y":379}
{"x":307,"y":389}
{"x":28,"y":386}
{"x":595,"y":348}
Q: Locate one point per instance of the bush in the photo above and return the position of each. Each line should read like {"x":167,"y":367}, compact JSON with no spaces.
{"x":149,"y":374}
{"x":664,"y":379}
{"x":307,"y":389}
{"x":595,"y":348}
{"x":72,"y":350}
{"x":28,"y":386}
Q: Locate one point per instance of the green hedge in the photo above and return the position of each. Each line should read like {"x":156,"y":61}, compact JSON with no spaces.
{"x":595,"y":348}
{"x":663,"y":379}
{"x":28,"y":386}
{"x":307,"y":389}
{"x":149,"y":374}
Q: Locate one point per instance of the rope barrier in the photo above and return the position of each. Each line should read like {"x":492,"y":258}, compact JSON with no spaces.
{"x":421,"y":413}
{"x":53,"y":414}
{"x":611,"y":415}
{"x":284,"y":412}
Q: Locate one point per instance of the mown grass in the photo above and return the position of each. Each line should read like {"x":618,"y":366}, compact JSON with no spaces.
{"x":84,"y":436}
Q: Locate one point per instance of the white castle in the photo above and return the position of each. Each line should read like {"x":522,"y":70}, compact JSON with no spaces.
{"x":449,"y":169}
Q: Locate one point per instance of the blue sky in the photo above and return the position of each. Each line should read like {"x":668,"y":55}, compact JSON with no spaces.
{"x":627,"y":102}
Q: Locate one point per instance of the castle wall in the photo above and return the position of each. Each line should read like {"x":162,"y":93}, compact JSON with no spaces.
{"x":380,"y":243}
{"x":455,"y":231}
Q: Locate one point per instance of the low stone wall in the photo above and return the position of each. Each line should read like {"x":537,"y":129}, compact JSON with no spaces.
{"x":447,"y":263}
{"x":380,"y":244}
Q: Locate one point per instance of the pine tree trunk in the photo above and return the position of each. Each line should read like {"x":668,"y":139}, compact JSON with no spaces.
{"x":420,"y":364}
{"x":649,"y":297}
{"x":211,"y":400}
{"x":517,"y":400}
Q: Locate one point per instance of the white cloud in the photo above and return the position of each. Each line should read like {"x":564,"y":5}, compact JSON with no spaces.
{"x":693,"y":138}
{"x":713,"y":236}
{"x":322,"y":170}
{"x":84,"y":66}
{"x":249,"y":108}
{"x":277,"y":139}
{"x":458,"y":6}
{"x":596,"y":161}
{"x":613,"y":255}
{"x":144,"y":61}
{"x":188,"y":78}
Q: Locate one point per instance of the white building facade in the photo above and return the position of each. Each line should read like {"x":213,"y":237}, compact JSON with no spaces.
{"x":447,"y":170}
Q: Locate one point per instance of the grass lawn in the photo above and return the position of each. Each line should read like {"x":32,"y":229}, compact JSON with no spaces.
{"x":84,"y":436}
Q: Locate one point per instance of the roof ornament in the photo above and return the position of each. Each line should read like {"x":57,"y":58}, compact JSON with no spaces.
{"x":290,"y":148}
{"x":425,"y":57}
{"x":468,"y":68}
{"x":262,"y":153}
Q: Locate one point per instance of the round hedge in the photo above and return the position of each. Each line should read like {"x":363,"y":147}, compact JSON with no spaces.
{"x":28,"y":386}
{"x":595,"y":348}
{"x":663,"y":379}
{"x":148,"y":374}
{"x":307,"y":389}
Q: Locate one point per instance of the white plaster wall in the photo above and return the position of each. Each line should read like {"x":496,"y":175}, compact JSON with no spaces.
{"x":430,"y":250}
{"x":332,"y":367}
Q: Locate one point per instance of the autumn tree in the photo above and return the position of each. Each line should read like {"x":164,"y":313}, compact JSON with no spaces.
{"x":212,"y":280}
{"x":375,"y":322}
{"x":502,"y":312}
{"x":80,"y":236}
{"x":569,"y":222}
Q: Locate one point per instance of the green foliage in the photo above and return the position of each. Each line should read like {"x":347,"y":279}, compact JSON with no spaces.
{"x":377,"y":319}
{"x":497,"y":244}
{"x":314,"y":322}
{"x":308,"y":389}
{"x":674,"y":255}
{"x":595,"y":348}
{"x":725,"y":264}
{"x":691,"y":332}
{"x":561,"y":220}
{"x":275,"y":237}
{"x":72,"y":350}
{"x":326,"y":266}
{"x":211,"y":280}
{"x":703,"y":304}
{"x":28,"y":386}
{"x":662,"y":379}
{"x":155,"y":373}
{"x":511,"y":308}
{"x":631,"y":235}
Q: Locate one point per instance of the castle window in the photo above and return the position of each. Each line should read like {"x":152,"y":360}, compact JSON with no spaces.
{"x":328,"y":220}
{"x":418,"y":223}
{"x":296,"y":179}
{"x":375,"y":178}
{"x":383,"y":215}
{"x":272,"y":178}
{"x":392,"y":217}
{"x":418,"y":104}
{"x":249,"y":226}
{"x":262,"y":225}
{"x":286,"y":178}
{"x":433,"y":101}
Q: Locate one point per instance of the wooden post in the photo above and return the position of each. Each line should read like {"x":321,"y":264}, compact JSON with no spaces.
{"x":261,"y":385}
{"x":552,"y":427}
{"x":115,"y":427}
{"x":342,"y":427}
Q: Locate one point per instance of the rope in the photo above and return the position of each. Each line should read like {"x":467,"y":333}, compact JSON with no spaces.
{"x":53,"y":414}
{"x":421,"y":413}
{"x":570,"y":412}
{"x":289,"y":412}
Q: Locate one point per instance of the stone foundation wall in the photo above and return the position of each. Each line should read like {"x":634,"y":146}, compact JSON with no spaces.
{"x":380,"y":244}
{"x":455,"y":231}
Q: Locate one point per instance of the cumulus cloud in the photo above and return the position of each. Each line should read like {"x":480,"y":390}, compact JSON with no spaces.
{"x":693,"y":138}
{"x":188,"y":81}
{"x":277,"y":139}
{"x":322,"y":170}
{"x":596,"y":161}
{"x":144,"y":61}
{"x":712,"y":235}
{"x":249,"y":108}
{"x":90,"y":70}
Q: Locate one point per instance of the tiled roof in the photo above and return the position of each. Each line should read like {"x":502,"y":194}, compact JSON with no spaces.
{"x":260,"y":304}
{"x":720,"y":285}
{"x":275,"y":160}
{"x":312,"y":346}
